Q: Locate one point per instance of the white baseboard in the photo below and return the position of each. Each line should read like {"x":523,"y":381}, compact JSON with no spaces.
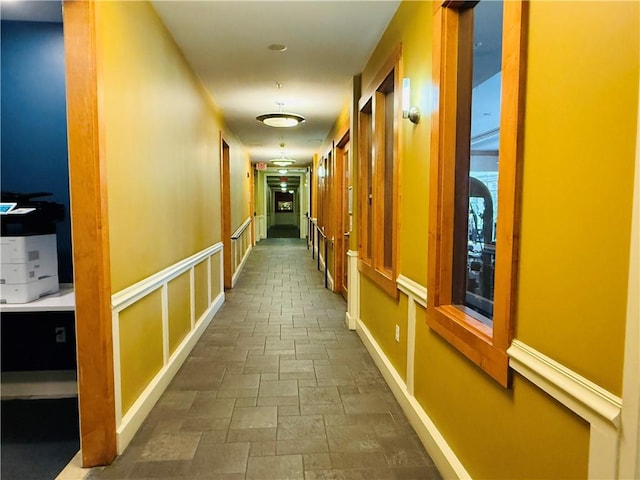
{"x":350,"y":322}
{"x":236,"y":274}
{"x":437,"y":447}
{"x":133,"y":419}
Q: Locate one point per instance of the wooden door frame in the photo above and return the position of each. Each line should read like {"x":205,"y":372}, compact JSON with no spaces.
{"x":90,"y":235}
{"x":225,"y":209}
{"x":339,"y":187}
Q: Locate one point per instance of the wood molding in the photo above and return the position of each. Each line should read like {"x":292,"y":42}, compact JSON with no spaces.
{"x":379,"y":209}
{"x":90,"y":235}
{"x":225,"y":209}
{"x":450,"y":153}
{"x":393,"y":58}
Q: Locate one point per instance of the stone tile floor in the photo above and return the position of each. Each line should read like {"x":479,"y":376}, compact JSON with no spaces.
{"x":277,"y":388}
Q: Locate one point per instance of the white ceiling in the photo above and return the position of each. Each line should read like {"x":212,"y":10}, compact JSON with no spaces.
{"x":328,"y":42}
{"x":226,"y":43}
{"x":31,"y":10}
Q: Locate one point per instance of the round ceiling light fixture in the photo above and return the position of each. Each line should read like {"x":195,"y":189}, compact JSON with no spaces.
{"x":282,"y":162}
{"x":281,"y":119}
{"x":277,"y":47}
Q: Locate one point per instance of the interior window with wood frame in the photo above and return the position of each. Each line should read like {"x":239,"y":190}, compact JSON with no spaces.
{"x":379,"y":123}
{"x":475,"y":154}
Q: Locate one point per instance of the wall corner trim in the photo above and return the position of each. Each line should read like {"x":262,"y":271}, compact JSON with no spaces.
{"x":413,"y":289}
{"x":582,"y":396}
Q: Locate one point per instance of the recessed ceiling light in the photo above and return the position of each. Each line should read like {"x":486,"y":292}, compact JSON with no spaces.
{"x":282,"y":171}
{"x":277,"y":47}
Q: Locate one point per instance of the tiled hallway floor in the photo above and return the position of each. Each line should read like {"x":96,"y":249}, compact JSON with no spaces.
{"x":277,"y":388}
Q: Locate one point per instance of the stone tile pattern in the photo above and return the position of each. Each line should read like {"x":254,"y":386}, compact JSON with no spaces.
{"x":277,"y":388}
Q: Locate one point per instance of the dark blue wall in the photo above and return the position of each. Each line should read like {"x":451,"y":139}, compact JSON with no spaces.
{"x":34,"y":121}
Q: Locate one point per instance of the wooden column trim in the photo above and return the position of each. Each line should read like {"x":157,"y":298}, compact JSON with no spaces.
{"x":90,"y":234}
{"x":225,"y":204}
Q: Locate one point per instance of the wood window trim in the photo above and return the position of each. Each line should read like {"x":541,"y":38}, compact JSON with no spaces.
{"x":373,"y":267}
{"x":484,"y":346}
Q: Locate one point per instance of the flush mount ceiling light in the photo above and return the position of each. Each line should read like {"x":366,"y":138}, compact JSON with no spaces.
{"x":281,"y":119}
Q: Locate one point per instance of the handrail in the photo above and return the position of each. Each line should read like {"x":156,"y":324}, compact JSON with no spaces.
{"x":317,"y":233}
{"x":238,"y":233}
{"x":321,"y":233}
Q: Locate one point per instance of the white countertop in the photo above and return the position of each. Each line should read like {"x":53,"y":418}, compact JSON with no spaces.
{"x":62,"y":301}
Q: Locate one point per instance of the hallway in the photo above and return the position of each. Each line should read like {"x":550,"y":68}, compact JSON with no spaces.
{"x":276,"y":388}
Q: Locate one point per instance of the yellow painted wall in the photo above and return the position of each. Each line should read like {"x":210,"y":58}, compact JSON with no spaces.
{"x":161,"y":145}
{"x":380,"y":313}
{"x":240,"y":177}
{"x":139,"y":363}
{"x":201,"y":286}
{"x":179,"y":310}
{"x":411,"y":27}
{"x":161,"y":134}
{"x":496,"y":433}
{"x":582,"y":97}
{"x":577,"y":189}
{"x":216,"y":285}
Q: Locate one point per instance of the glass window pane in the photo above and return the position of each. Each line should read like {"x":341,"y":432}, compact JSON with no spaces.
{"x":482,"y":177}
{"x":388,"y":179}
{"x":368,"y":166}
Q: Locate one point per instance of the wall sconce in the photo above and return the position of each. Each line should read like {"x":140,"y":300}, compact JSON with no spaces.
{"x":412,"y":113}
{"x":321,"y":170}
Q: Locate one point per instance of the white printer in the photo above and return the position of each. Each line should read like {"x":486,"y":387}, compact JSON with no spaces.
{"x":28,"y":253}
{"x":29,"y":268}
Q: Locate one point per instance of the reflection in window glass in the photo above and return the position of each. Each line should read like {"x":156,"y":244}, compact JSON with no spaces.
{"x":388,"y":172}
{"x":367,"y":146}
{"x":483,"y":165}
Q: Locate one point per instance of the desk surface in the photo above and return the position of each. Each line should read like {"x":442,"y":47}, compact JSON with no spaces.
{"x":62,"y":301}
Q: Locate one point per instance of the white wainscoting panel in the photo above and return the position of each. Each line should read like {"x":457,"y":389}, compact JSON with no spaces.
{"x":590,"y":401}
{"x":128,"y":424}
{"x":353,"y":293}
